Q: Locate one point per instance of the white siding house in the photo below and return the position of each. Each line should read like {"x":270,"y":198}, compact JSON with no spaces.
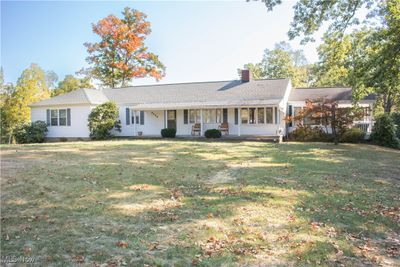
{"x":249,"y":107}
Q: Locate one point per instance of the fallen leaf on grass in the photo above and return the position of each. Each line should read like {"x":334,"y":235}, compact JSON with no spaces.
{"x":331,"y":232}
{"x":27,"y":250}
{"x":79,"y":259}
{"x":393,"y":251}
{"x":122,"y":244}
{"x":152,"y":246}
{"x":176,"y":195}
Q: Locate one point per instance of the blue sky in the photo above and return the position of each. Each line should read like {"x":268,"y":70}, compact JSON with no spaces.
{"x":196,"y":41}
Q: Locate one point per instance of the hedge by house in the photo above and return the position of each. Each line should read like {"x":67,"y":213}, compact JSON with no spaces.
{"x":353,"y":135}
{"x":212,"y":133}
{"x":31,"y":133}
{"x":307,"y":134}
{"x":103,"y":119}
{"x":168,"y":132}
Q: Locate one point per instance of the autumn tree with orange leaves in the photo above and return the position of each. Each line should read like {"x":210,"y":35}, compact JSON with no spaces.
{"x":328,"y":114}
{"x":121,"y":54}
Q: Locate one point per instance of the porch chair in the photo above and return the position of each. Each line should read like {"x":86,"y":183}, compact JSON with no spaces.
{"x":224,"y":128}
{"x":196,"y":128}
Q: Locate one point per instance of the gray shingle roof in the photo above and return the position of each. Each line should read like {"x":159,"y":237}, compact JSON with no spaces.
{"x":192,"y":94}
{"x":331,"y":93}
{"x":200,"y":92}
{"x":81,"y":96}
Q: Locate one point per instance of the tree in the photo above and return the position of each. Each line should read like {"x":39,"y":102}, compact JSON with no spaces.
{"x":71,"y":83}
{"x":384,"y":132}
{"x":342,"y":60}
{"x":102,"y":120}
{"x":51,"y":79}
{"x":31,"y":87}
{"x":310,"y":16}
{"x":6,"y":91}
{"x":368,"y":60}
{"x":382,"y":70}
{"x":121,"y":54}
{"x":330,"y":115}
{"x":282,"y":62}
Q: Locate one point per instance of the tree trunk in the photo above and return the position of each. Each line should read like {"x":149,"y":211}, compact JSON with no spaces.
{"x":333,"y":126}
{"x":387,"y":103}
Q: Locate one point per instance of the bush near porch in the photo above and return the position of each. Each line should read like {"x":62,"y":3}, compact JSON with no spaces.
{"x":182,"y":203}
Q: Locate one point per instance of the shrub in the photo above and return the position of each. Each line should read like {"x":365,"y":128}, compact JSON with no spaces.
{"x":168,"y":133}
{"x":31,"y":133}
{"x":102,"y":120}
{"x":384,"y":132}
{"x":396,"y":119}
{"x":353,"y":135}
{"x":212,"y":133}
{"x":307,"y":133}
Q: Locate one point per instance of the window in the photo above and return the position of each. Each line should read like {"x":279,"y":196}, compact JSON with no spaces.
{"x":137,"y":117}
{"x":312,"y":120}
{"x":194,"y":115}
{"x":252,"y":116}
{"x":244,"y":115}
{"x":269,"y":115}
{"x":261,"y":115}
{"x":58,"y":117}
{"x":219,"y":116}
{"x":54,"y":117}
{"x":209,"y":116}
{"x":132,"y":116}
{"x":296,"y":111}
{"x":63,"y":117}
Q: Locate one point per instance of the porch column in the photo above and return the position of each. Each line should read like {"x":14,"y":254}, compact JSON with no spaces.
{"x":239,"y":121}
{"x":134,"y":122}
{"x":165,"y":119}
{"x":201,"y":122}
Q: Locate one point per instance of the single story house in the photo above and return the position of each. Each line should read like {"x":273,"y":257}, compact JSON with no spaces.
{"x":248,"y":107}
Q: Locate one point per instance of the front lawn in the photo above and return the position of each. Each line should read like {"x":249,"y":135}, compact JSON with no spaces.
{"x":182,"y":203}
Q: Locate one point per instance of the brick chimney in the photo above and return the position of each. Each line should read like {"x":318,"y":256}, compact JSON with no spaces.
{"x":246,"y":76}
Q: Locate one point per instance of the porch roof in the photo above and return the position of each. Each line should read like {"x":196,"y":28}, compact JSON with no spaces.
{"x":205,"y":104}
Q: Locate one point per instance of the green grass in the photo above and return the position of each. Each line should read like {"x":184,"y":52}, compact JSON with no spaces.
{"x":182,"y":203}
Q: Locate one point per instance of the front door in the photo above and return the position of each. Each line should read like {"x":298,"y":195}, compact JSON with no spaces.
{"x":171,"y":119}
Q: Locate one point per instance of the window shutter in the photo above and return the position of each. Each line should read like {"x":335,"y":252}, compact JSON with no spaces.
{"x":276,"y":115}
{"x":128,"y":116}
{"x":236,"y":116}
{"x":225,"y":115}
{"x":48,"y":117}
{"x":141,"y":117}
{"x":290,"y":115}
{"x":185,"y":116}
{"x":68,"y":117}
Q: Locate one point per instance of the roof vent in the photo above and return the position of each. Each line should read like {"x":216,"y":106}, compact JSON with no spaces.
{"x":246,"y":76}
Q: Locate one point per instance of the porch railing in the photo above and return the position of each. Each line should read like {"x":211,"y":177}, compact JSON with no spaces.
{"x":366,"y":127}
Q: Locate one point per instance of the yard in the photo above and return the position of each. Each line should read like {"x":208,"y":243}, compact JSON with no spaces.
{"x":182,"y":203}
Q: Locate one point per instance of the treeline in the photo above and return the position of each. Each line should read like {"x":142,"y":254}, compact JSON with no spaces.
{"x":366,"y":57}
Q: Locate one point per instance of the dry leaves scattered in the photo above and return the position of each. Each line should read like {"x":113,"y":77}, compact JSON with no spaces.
{"x":79,"y":259}
{"x":213,"y":246}
{"x":122,"y":244}
{"x":331,"y":232}
{"x":176,"y":194}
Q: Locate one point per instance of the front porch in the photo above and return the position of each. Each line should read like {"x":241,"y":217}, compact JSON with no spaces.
{"x":251,"y":122}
